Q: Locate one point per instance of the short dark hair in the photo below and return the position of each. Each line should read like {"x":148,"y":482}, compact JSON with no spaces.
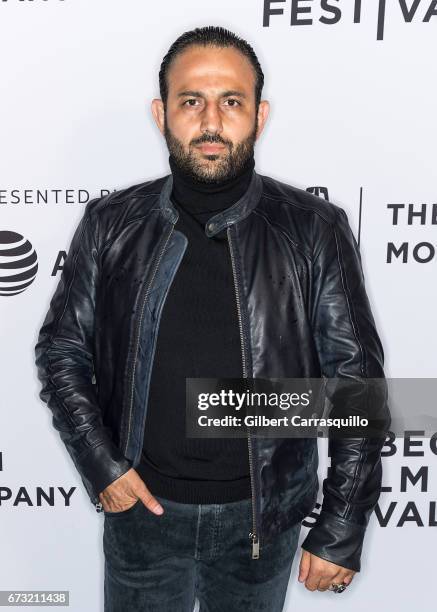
{"x":213,"y":36}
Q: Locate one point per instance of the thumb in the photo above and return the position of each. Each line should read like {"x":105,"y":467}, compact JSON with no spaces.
{"x":149,"y":501}
{"x":304,"y":567}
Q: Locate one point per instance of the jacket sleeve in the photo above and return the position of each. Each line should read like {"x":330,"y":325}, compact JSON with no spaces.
{"x":349,"y":349}
{"x":64,"y":360}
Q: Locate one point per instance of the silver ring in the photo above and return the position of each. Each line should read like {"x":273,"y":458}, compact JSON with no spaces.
{"x":338,"y":587}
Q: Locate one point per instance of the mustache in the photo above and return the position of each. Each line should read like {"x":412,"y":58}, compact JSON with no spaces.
{"x":210,"y":139}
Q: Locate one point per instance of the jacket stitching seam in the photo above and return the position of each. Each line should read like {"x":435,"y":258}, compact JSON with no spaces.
{"x":291,"y":203}
{"x":109,"y":241}
{"x":355,"y":481}
{"x":285,"y":233}
{"x":358,"y":467}
{"x":58,"y":322}
{"x":329,"y":516}
{"x":89,"y":449}
{"x":108,"y":201}
{"x":349,"y":303}
{"x":70,"y":284}
{"x":131,"y":196}
{"x":59,"y":398}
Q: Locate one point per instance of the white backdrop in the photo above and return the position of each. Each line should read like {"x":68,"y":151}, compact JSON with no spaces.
{"x":349,"y":111}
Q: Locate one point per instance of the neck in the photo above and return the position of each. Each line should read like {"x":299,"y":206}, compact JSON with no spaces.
{"x":198,"y":197}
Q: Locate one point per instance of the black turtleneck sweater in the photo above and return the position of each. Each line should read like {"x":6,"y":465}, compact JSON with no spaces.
{"x":198,"y":337}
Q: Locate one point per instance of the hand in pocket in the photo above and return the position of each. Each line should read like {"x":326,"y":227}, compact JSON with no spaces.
{"x":123,"y":493}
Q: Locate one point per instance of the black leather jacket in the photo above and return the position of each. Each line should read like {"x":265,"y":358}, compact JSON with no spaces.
{"x":303,"y":312}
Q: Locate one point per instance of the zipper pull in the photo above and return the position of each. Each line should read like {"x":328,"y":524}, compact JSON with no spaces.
{"x":99,"y":507}
{"x":255,"y":546}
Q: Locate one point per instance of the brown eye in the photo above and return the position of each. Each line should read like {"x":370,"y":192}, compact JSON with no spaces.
{"x":233,"y":100}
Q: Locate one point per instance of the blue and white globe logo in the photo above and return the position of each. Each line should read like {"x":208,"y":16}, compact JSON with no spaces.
{"x":18,"y":263}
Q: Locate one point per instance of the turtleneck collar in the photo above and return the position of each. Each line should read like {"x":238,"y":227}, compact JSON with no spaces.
{"x":198,"y":198}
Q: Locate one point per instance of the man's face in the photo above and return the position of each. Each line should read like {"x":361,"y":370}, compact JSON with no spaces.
{"x":210,"y":123}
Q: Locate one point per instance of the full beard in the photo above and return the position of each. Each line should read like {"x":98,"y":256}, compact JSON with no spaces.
{"x":219,"y":167}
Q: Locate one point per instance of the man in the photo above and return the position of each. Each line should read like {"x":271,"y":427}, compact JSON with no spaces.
{"x":211,"y":271}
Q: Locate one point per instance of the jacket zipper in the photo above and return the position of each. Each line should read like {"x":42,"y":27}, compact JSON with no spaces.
{"x":98,"y":505}
{"x":253,"y":534}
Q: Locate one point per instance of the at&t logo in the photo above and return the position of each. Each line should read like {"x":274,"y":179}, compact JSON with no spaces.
{"x":18,"y":263}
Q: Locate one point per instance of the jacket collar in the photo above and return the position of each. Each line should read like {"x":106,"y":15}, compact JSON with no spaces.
{"x":224,"y":218}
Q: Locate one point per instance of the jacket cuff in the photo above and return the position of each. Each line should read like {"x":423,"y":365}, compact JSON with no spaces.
{"x":100,"y":466}
{"x":337,"y":540}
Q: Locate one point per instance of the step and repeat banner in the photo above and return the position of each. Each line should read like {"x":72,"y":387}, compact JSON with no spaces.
{"x":352,"y":92}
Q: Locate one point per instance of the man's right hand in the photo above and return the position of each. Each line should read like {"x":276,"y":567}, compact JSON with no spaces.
{"x":123,"y":493}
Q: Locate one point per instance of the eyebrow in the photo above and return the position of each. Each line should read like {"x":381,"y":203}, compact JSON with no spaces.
{"x":199,"y":94}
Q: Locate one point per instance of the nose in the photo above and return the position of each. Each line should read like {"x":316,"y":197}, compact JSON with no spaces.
{"x":211,"y":119}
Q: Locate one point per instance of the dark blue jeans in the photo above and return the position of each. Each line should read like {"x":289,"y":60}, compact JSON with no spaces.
{"x":162,"y":563}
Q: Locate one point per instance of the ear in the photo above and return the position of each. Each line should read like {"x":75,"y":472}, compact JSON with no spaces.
{"x":263,"y":113}
{"x":158,"y":113}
